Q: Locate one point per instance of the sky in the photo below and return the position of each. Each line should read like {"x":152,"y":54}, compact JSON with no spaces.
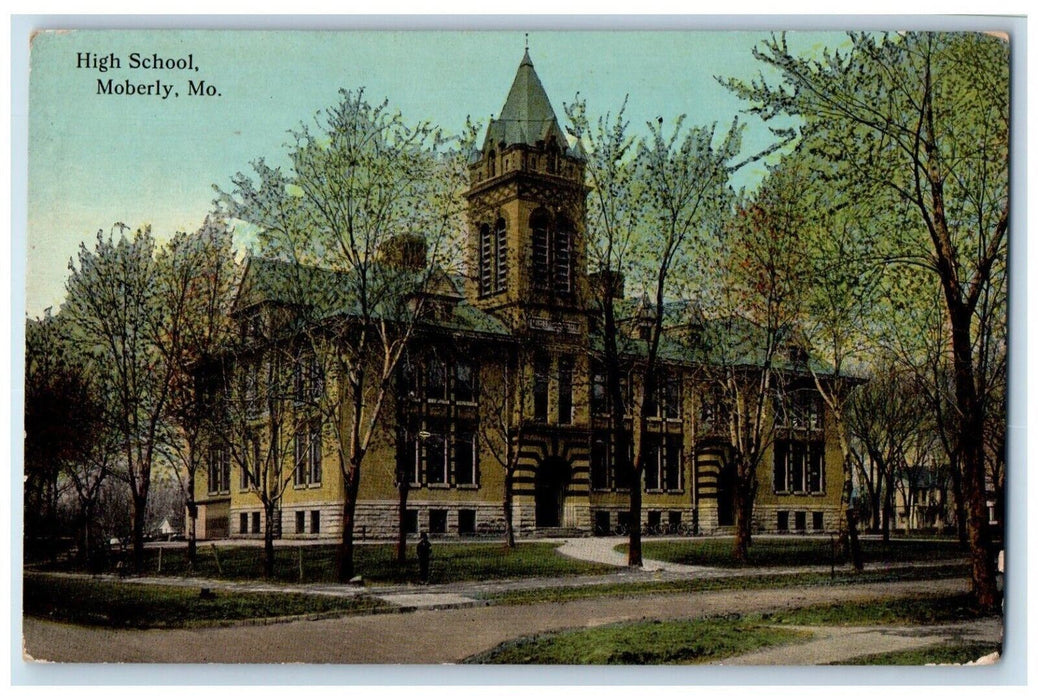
{"x":98,"y":159}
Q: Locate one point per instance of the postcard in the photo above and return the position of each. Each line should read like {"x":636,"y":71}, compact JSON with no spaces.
{"x":509,"y":347}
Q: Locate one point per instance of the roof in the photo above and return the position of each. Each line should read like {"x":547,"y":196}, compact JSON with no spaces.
{"x":335,"y":294}
{"x":689,"y":337}
{"x":527,"y":115}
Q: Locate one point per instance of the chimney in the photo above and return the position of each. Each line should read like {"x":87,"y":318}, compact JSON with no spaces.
{"x":404,"y":251}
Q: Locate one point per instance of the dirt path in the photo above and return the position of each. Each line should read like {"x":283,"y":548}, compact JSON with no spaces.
{"x":425,"y":636}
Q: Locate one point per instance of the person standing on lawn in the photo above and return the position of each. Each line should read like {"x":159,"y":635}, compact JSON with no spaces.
{"x":424,"y":553}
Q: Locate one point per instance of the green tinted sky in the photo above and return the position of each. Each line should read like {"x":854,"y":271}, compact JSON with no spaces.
{"x":95,"y":160}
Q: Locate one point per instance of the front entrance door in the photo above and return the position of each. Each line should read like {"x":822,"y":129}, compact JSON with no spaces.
{"x":725,"y":496}
{"x":550,"y":491}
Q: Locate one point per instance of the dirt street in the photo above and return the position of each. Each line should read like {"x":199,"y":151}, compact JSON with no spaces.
{"x":422,"y":637}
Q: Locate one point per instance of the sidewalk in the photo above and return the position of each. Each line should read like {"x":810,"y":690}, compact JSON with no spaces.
{"x":411,"y":596}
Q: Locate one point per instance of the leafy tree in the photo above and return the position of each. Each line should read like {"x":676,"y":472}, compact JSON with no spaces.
{"x":759,"y":297}
{"x":919,"y":122}
{"x":196,"y":278}
{"x":117,"y":318}
{"x":653,"y":201}
{"x":63,"y":430}
{"x":371,"y":199}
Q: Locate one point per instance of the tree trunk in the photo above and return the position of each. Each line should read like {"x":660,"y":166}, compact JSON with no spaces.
{"x":140,"y":517}
{"x":982,"y":560}
{"x":344,"y":556}
{"x":268,"y":541}
{"x":401,"y":536}
{"x":506,"y":504}
{"x":855,"y":546}
{"x":888,"y":508}
{"x":192,"y":519}
{"x":743,"y":507}
{"x":634,"y":543}
{"x":960,"y":504}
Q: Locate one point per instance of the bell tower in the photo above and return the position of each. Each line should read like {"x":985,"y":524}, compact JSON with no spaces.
{"x":527,"y":255}
{"x":526,"y":210}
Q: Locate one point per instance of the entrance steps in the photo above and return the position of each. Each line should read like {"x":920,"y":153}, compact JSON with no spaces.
{"x":559,"y":532}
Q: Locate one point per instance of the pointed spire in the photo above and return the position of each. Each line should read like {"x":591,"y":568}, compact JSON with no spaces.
{"x":527,"y":115}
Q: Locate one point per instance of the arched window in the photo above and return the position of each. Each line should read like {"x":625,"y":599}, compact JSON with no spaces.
{"x":486,"y":260}
{"x":562,"y":267}
{"x":492,"y":163}
{"x":501,"y":240}
{"x":541,"y":249}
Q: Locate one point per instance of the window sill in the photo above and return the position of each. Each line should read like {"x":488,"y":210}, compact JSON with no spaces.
{"x":467,"y":487}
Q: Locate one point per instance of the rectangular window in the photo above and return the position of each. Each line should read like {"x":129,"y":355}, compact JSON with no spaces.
{"x":315,"y":522}
{"x":671,"y":390}
{"x":562,"y":258}
{"x":301,"y":446}
{"x":800,"y":519}
{"x":437,"y":446}
{"x":799,"y":467}
{"x":652,"y":463}
{"x":816,"y":520}
{"x":815,"y":454}
{"x":565,"y":390}
{"x":464,"y":382}
{"x":601,"y":522}
{"x":466,"y":521}
{"x":599,"y":392}
{"x":436,"y":380}
{"x":255,"y":522}
{"x":465,"y":456}
{"x":315,"y":454}
{"x":672,"y":463}
{"x":540,"y":388}
{"x":219,"y":470}
{"x":502,"y":256}
{"x":300,"y":522}
{"x":243,"y":523}
{"x":251,"y":468}
{"x":437,"y":521}
{"x":600,"y":461}
{"x":663,"y":463}
{"x":674,"y":521}
{"x":411,"y":521}
{"x":783,"y":521}
{"x":486,"y":260}
{"x":802,"y":410}
{"x":621,"y":469}
{"x":713,"y":413}
{"x":655,"y":518}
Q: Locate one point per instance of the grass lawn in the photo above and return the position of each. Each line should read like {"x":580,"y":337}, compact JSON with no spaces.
{"x":376,"y":563}
{"x":941,"y":654}
{"x":652,"y":642}
{"x":126,"y":605}
{"x":793,"y":551}
{"x":562,"y":594}
{"x":916,"y":610}
{"x":708,"y":639}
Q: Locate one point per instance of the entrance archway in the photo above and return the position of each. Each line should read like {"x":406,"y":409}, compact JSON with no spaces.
{"x":553,"y":475}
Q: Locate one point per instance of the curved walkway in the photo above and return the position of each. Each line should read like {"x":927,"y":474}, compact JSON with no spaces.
{"x":603,"y":551}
